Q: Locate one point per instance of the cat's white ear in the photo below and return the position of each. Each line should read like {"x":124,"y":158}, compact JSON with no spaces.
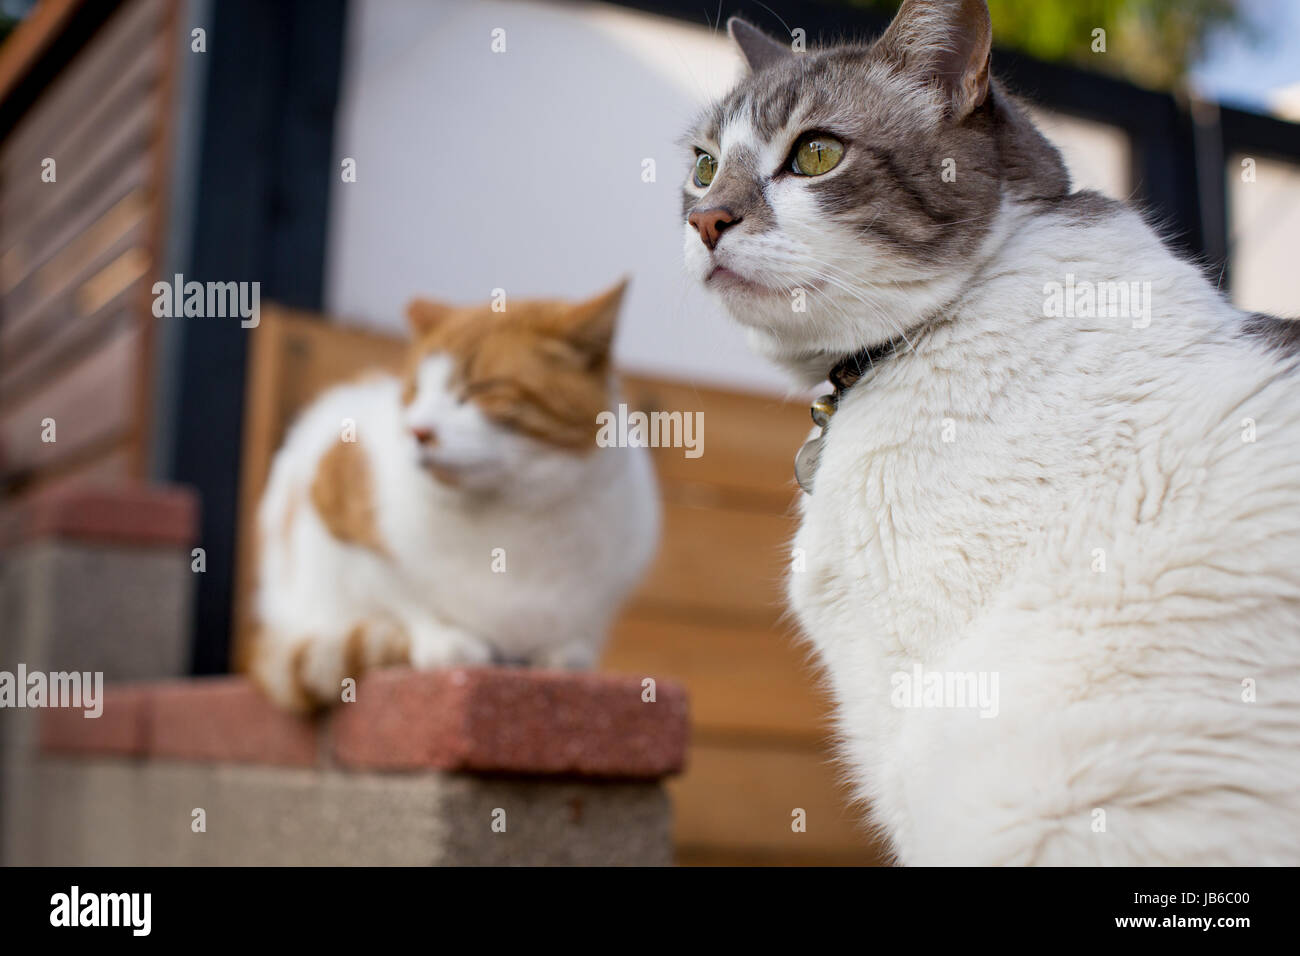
{"x":590,"y":325}
{"x":424,"y":315}
{"x":949,"y":43}
{"x":758,"y":49}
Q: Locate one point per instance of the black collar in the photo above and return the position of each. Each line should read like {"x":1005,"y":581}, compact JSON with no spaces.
{"x":846,"y":373}
{"x":848,"y":370}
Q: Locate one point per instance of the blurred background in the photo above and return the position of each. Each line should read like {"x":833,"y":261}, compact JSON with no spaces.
{"x":351,"y":154}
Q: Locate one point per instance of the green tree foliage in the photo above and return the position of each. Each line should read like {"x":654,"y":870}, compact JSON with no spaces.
{"x":1152,"y":42}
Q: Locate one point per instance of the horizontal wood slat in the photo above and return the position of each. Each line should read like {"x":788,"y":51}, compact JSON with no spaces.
{"x":29,"y":248}
{"x":125,"y":143}
{"x":748,"y":444}
{"x":80,"y":291}
{"x":67,"y":342}
{"x":31,"y":38}
{"x":91,"y":402}
{"x":741,"y":680}
{"x":73,"y":134}
{"x":126,"y":38}
{"x":742,"y":798}
{"x":107,"y":466}
{"x":90,"y":227}
{"x":118,"y":123}
{"x":718,"y":564}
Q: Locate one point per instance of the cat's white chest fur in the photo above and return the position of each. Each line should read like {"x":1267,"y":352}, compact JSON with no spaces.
{"x":1066,"y":513}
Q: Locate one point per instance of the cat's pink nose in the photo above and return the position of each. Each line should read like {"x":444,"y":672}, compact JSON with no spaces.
{"x":425,"y":436}
{"x":709,"y":223}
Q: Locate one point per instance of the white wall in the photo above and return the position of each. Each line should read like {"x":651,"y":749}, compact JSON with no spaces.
{"x":1263,"y":235}
{"x":523,"y":170}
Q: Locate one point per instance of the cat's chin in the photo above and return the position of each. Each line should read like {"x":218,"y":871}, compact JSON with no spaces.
{"x":735,"y":286}
{"x":460,"y":477}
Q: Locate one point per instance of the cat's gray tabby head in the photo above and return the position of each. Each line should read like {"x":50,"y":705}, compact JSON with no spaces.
{"x":838,"y":194}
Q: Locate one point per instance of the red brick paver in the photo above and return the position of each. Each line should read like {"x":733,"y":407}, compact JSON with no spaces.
{"x":509,"y":721}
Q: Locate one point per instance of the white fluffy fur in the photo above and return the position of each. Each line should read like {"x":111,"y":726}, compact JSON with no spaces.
{"x":1120,"y":690}
{"x":576,"y":531}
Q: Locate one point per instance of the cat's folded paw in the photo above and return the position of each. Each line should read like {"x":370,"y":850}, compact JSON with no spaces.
{"x":288,"y":674}
{"x":441,"y":645}
{"x":308,"y":673}
{"x":574,"y":656}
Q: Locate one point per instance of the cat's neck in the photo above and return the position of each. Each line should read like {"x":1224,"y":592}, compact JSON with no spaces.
{"x":1039,"y":261}
{"x":910,"y":311}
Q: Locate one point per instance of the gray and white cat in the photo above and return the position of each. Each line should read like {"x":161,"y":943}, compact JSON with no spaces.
{"x":1051,"y":557}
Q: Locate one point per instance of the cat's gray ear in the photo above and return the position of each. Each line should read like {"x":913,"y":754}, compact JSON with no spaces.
{"x":758,"y":49}
{"x":948,"y":43}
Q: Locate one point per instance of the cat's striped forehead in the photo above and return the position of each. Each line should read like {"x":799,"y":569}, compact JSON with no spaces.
{"x":842,"y":89}
{"x":541,"y":368}
{"x":890,"y":191}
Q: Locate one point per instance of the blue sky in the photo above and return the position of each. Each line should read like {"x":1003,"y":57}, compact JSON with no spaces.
{"x":1248,"y":68}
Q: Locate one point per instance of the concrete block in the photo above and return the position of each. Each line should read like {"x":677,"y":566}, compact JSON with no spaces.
{"x":127,"y":812}
{"x":120,"y":610}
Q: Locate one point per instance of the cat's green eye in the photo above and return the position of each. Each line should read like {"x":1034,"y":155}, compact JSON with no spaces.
{"x":816,"y":153}
{"x":705,"y":167}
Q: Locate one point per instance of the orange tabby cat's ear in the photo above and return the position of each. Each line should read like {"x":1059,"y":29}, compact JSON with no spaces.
{"x":423,"y":315}
{"x":590,"y":325}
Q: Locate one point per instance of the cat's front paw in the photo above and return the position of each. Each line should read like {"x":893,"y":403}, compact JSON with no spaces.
{"x":441,"y":645}
{"x":574,"y":656}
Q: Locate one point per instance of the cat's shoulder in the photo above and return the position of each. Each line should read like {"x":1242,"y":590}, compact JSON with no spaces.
{"x":367,"y":390}
{"x":1086,"y":207}
{"x":369,"y":398}
{"x":1275,"y":333}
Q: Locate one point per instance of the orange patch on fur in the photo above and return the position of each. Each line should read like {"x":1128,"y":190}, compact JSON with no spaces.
{"x":303,"y":697}
{"x":343,"y":497}
{"x":375,"y":644}
{"x":305,"y":675}
{"x":542,"y":367}
{"x":354,"y":652}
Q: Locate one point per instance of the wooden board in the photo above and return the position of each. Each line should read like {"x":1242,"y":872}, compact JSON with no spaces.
{"x":31,"y":38}
{"x":111,"y":465}
{"x":91,"y":404}
{"x":718,"y":563}
{"x":77,"y":255}
{"x":742,"y":680}
{"x":746,"y":455}
{"x":741,"y":796}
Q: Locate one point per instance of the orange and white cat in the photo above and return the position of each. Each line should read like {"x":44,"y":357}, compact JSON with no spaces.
{"x":471,"y":519}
